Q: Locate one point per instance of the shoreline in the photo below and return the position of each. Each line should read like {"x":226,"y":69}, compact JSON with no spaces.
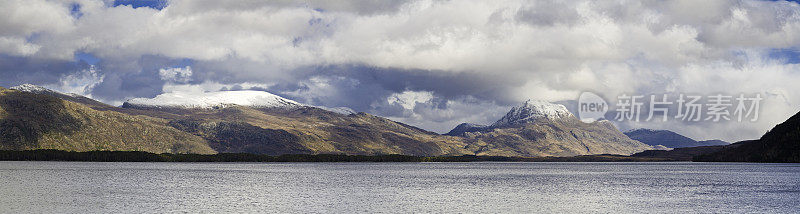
{"x":138,"y":156}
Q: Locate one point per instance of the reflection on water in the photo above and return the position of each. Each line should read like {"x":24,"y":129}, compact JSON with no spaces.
{"x":397,"y":187}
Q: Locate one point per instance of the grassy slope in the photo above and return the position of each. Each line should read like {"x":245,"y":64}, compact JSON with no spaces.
{"x":568,"y":137}
{"x":313,"y":131}
{"x":32,"y":121}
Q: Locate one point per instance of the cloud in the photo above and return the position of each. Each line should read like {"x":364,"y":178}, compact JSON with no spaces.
{"x":82,"y":82}
{"x":23,"y":20}
{"x":409,"y":99}
{"x":379,"y":56}
{"x":17,"y":47}
{"x":182,"y":75}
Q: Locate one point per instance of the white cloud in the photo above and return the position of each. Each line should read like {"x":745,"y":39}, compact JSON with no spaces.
{"x":23,"y":19}
{"x":409,"y":99}
{"x":17,"y":47}
{"x":443,"y":115}
{"x":210,"y":86}
{"x":181,"y":75}
{"x":82,"y":82}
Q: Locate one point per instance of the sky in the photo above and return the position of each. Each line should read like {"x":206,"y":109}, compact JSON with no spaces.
{"x":432,"y":64}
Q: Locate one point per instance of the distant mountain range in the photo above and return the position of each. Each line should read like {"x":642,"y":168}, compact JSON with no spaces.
{"x":669,"y":139}
{"x":32,"y":117}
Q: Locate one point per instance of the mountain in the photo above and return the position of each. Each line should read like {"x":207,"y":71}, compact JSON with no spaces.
{"x":530,"y":111}
{"x":781,"y":144}
{"x":31,"y":118}
{"x":259,"y":122}
{"x":256,"y":99}
{"x":538,"y":128}
{"x":311,"y":130}
{"x":466,"y":127}
{"x":263,"y":123}
{"x":35,"y":89}
{"x":668,"y":139}
{"x":241,"y":121}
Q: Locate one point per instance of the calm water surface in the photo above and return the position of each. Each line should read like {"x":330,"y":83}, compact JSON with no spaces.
{"x":77,"y":187}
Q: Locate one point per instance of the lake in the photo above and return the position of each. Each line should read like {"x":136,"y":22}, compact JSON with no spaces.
{"x":80,"y":187}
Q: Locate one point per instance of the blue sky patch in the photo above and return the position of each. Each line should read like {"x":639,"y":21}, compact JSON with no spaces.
{"x":86,"y":57}
{"x":791,"y":56}
{"x":155,"y":4}
{"x":185,"y":62}
{"x":75,"y":10}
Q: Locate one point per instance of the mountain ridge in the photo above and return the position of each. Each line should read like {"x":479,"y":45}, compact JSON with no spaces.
{"x":668,"y":139}
{"x":780,"y":144}
{"x":549,"y":128}
{"x":289,"y":128}
{"x":41,"y":121}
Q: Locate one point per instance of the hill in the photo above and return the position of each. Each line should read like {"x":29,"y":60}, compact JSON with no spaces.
{"x":781,"y":144}
{"x":40,"y":121}
{"x":538,"y":128}
{"x":668,"y":139}
{"x":262,"y":123}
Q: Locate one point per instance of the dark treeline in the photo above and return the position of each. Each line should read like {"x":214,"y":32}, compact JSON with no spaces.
{"x":133,"y":156}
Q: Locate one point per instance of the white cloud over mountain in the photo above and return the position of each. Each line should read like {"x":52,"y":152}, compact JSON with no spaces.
{"x":471,"y":59}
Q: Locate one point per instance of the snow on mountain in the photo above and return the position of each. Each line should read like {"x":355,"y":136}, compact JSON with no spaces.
{"x":258,"y":99}
{"x":340,"y":110}
{"x":31,"y":88}
{"x":533,"y":110}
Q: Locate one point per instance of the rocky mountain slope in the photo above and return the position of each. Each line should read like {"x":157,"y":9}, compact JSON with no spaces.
{"x":35,"y":89}
{"x":668,"y":139}
{"x":43,"y":121}
{"x":531,"y":111}
{"x":538,"y":128}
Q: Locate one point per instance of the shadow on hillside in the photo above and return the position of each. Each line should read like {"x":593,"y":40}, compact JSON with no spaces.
{"x":30,"y":116}
{"x":230,"y":137}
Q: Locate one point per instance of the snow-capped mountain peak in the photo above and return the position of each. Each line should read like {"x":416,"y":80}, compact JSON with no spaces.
{"x":258,"y":99}
{"x":35,"y":89}
{"x":532,"y":110}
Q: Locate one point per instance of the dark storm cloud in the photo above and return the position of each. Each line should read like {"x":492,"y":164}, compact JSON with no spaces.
{"x":16,"y":70}
{"x":359,"y":86}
